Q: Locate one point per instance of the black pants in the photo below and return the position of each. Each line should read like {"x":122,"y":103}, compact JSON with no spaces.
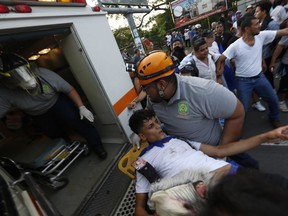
{"x":65,"y":114}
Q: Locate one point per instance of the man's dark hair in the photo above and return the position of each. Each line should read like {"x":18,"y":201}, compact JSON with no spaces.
{"x":247,"y":22}
{"x":197,"y":41}
{"x":264,"y":6}
{"x":240,"y":20}
{"x":137,"y":119}
{"x":248,"y":193}
{"x":136,"y":50}
{"x":207,"y":33}
{"x":190,"y":68}
{"x":176,"y":39}
{"x":219,"y":23}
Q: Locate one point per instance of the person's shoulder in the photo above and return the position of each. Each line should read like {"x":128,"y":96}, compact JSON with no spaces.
{"x":187,"y":57}
{"x":43,"y":70}
{"x":190,"y":82}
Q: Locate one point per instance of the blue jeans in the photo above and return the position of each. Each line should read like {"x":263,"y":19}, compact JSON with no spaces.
{"x":64,"y":114}
{"x":245,"y":86}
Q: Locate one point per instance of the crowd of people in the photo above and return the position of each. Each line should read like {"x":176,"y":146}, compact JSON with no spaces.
{"x":200,"y":100}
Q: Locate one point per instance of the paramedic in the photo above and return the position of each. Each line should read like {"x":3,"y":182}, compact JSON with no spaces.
{"x":190,"y":107}
{"x":47,"y":98}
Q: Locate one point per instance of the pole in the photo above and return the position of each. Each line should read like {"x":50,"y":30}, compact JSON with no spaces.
{"x":134,"y":31}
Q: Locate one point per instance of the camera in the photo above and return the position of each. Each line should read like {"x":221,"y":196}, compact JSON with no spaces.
{"x":130,"y":67}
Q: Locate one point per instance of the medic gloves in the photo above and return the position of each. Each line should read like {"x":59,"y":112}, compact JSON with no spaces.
{"x":84,"y":112}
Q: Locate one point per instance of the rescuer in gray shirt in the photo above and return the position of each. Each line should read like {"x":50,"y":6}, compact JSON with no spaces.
{"x":47,"y":98}
{"x":190,"y":107}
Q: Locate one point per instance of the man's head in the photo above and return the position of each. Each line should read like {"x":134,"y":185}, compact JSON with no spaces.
{"x":145,"y":124}
{"x":213,"y":25}
{"x":190,"y":69}
{"x":176,"y":43}
{"x":262,"y":10}
{"x":198,"y":28}
{"x":249,"y":9}
{"x":247,"y":193}
{"x":219,"y":30}
{"x":156,"y":75}
{"x":238,"y":14}
{"x":250,"y":25}
{"x":200,"y":47}
{"x":16,"y":72}
{"x":182,"y":194}
{"x":137,"y":52}
{"x":208,"y":36}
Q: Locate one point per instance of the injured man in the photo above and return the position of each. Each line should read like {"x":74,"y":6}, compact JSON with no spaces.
{"x":175,"y":175}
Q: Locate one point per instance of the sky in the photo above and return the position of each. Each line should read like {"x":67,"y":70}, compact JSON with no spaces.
{"x":120,"y":23}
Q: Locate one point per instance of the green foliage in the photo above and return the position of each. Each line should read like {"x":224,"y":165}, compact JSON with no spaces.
{"x":162,"y":23}
{"x":123,"y":37}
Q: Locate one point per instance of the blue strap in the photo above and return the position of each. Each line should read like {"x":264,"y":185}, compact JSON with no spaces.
{"x":159,"y":143}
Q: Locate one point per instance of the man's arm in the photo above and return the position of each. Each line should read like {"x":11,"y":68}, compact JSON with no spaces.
{"x":75,"y":97}
{"x":83,"y":111}
{"x":233,"y":148}
{"x":233,"y":125}
{"x":282,"y":32}
{"x":141,"y":201}
{"x":220,"y":65}
{"x":275,"y":55}
{"x":142,"y":95}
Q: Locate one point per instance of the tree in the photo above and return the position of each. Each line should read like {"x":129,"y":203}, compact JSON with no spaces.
{"x":162,"y":24}
{"x":123,"y":37}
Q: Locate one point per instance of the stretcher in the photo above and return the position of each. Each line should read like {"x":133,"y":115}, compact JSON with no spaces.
{"x":49,"y":166}
{"x":125,"y":163}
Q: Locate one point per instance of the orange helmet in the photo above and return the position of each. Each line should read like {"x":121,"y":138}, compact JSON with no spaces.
{"x":154,"y":66}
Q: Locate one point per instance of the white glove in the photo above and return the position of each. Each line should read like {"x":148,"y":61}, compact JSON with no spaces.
{"x":135,"y":140}
{"x":84,"y":112}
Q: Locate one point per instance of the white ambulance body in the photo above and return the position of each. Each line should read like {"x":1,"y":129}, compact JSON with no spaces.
{"x":85,"y":53}
{"x":93,"y":56}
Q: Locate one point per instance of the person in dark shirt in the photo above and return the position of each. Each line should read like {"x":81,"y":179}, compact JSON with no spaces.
{"x":221,"y":37}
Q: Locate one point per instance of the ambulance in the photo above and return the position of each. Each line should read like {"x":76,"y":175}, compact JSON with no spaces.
{"x":75,"y":41}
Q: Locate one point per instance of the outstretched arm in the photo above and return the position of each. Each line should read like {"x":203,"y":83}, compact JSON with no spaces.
{"x":282,"y":32}
{"x":233,"y":148}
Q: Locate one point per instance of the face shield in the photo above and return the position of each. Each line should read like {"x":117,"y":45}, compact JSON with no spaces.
{"x":24,"y":77}
{"x":21,"y":77}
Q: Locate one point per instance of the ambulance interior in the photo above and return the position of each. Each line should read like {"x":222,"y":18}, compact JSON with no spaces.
{"x":23,"y":142}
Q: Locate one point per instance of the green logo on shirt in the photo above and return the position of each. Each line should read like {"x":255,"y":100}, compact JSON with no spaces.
{"x":46,"y":88}
{"x":183,"y":108}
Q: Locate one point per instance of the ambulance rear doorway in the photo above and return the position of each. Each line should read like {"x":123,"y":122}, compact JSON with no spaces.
{"x":67,"y":58}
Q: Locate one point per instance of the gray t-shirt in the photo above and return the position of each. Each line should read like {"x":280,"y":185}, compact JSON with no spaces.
{"x":194,"y":110}
{"x":51,"y":83}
